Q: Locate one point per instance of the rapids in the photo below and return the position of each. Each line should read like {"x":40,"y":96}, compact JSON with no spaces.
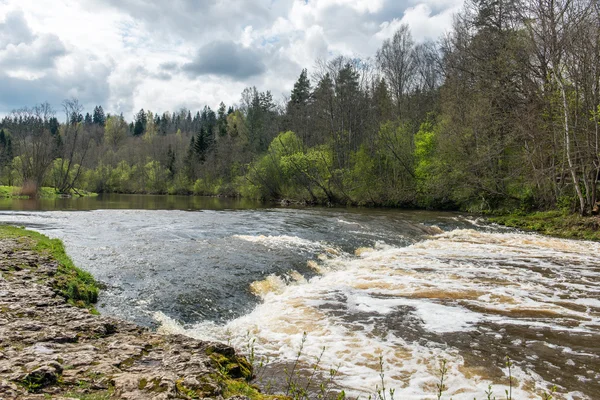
{"x":410,"y":287}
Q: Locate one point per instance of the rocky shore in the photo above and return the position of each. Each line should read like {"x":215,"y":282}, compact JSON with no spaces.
{"x":50,"y":348}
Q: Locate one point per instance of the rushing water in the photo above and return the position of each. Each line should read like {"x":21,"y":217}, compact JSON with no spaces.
{"x":411,"y":287}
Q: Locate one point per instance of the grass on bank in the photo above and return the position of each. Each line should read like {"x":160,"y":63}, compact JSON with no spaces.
{"x":76,"y":286}
{"x":17,"y":192}
{"x":554,"y":223}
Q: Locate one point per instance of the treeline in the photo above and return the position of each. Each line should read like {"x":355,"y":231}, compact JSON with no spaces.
{"x":502,"y":112}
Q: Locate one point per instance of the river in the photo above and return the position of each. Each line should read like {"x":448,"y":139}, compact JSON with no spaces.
{"x":409,"y":288}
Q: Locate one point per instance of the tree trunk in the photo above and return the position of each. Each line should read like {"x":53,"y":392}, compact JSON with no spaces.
{"x":567,"y":133}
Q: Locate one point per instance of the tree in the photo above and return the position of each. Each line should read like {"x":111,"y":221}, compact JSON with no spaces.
{"x":150,"y":130}
{"x":6,"y":156}
{"x":298,"y":109}
{"x":201,"y":145}
{"x":72,"y":152}
{"x":260,"y":115}
{"x":222,"y":120}
{"x":564,"y":34}
{"x":397,"y":63}
{"x":99,"y":118}
{"x":141,"y":121}
{"x":115,"y":131}
{"x":302,"y":91}
{"x":31,"y":132}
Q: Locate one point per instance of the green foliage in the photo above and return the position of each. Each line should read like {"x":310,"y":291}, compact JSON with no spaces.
{"x":180,"y":184}
{"x":115,"y":131}
{"x":156,"y":178}
{"x":61,"y":171}
{"x":425,"y":145}
{"x":436,"y":180}
{"x":288,"y":170}
{"x":362,"y":181}
{"x":14,"y":192}
{"x":207,"y":187}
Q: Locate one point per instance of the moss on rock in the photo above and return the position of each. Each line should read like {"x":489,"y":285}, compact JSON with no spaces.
{"x":76,"y":286}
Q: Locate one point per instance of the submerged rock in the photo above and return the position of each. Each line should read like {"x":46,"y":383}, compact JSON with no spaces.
{"x":51,"y":349}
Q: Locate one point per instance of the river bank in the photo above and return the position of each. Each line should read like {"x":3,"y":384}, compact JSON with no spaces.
{"x":18,"y":192}
{"x":51,"y":348}
{"x":553,"y":223}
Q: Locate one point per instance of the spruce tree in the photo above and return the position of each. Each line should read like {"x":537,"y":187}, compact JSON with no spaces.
{"x":201,"y":145}
{"x":222,"y":120}
{"x":140,"y":123}
{"x":99,"y":118}
{"x":302,"y":89}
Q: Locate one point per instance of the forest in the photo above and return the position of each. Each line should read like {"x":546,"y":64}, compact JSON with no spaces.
{"x":502,"y":112}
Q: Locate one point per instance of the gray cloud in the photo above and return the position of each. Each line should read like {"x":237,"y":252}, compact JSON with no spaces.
{"x":169,"y":66}
{"x":14,"y":29}
{"x":225,"y":59}
{"x":127,"y":54}
{"x":190,"y":18}
{"x":21,"y":49}
{"x":89,"y":86}
{"x":39,"y":54}
{"x":163,"y":76}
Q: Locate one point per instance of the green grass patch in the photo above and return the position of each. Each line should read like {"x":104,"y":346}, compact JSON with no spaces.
{"x":554,"y":223}
{"x":102,"y":395}
{"x":239,"y":387}
{"x":15,"y":192}
{"x":76,"y":286}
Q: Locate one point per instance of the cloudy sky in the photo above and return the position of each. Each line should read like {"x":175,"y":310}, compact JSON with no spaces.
{"x":163,"y":55}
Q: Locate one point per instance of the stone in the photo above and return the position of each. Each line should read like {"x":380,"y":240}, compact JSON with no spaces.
{"x":51,"y":348}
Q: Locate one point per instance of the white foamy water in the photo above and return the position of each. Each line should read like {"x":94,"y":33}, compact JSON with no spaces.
{"x":388,"y":282}
{"x":462,"y":296}
{"x":285,"y":242}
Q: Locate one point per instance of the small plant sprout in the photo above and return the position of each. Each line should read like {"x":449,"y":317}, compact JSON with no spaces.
{"x":549,"y":395}
{"x":382,"y":392}
{"x":489,"y":393}
{"x":290,"y":378}
{"x":508,"y":391}
{"x":314,"y":369}
{"x":441,"y":386}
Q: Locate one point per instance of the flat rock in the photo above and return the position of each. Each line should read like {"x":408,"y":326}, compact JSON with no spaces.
{"x":51,"y":349}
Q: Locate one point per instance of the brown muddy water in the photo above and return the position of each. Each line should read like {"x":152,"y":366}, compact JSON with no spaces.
{"x":411,"y":287}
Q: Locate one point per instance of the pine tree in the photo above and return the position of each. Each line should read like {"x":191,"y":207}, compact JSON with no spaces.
{"x":201,"y":145}
{"x":5,"y":148}
{"x":298,"y":109}
{"x":99,"y":118}
{"x":140,"y":123}
{"x":171,"y":162}
{"x":53,"y":126}
{"x":302,"y":89}
{"x":222,"y":120}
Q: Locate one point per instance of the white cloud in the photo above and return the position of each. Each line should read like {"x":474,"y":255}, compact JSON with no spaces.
{"x":129,"y":54}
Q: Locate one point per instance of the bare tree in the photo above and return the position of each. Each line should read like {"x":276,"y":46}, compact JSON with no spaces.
{"x":34,"y":134}
{"x":553,"y":27}
{"x":74,"y":143}
{"x":396,"y":59}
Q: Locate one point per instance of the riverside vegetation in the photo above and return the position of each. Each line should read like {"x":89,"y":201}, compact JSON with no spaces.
{"x":502,"y":113}
{"x":24,"y":192}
